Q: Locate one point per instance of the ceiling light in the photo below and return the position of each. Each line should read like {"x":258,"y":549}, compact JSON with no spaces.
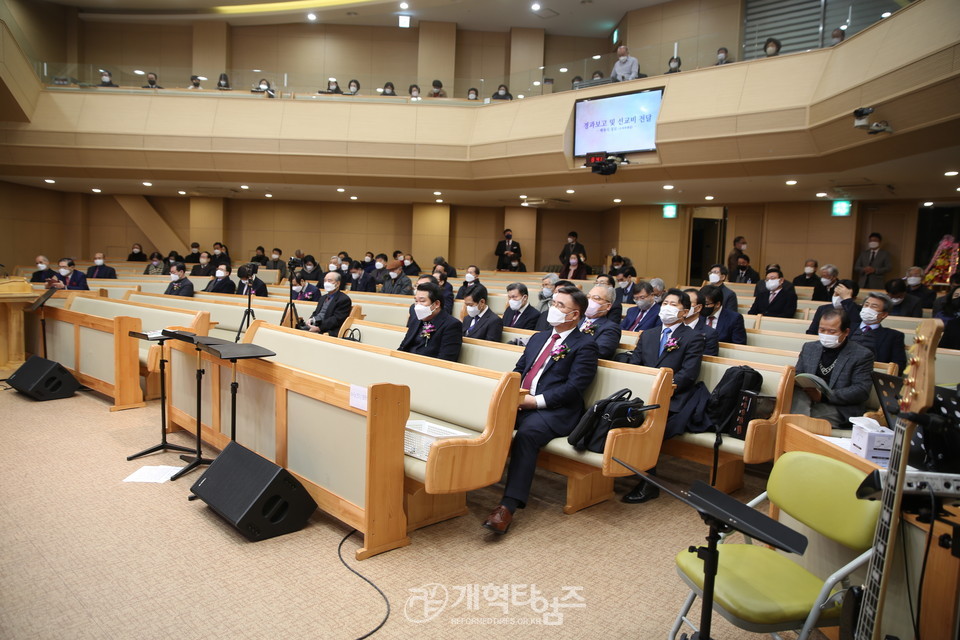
{"x":148,"y":184}
{"x":520,"y":97}
{"x":524,"y":204}
{"x":439,"y":201}
{"x":708,"y":197}
{"x":204,"y":78}
{"x":928,"y":204}
{"x":570,"y":191}
{"x":563,"y":69}
{"x":791,"y":182}
{"x":183,"y":193}
{"x":437,"y":193}
{"x":950,"y":174}
{"x":668,"y":187}
{"x":95,"y":190}
{"x":255,"y":70}
{"x":50,"y":181}
{"x":617,"y":200}
{"x":843,"y":27}
{"x":311,"y":17}
{"x":340,"y":190}
{"x":885,"y":14}
{"x":403,"y":22}
{"x":379,"y":89}
{"x":522,"y":196}
{"x":536,"y":83}
{"x":268,"y":195}
{"x":404,"y":6}
{"x":353,"y":197}
{"x":596,"y":57}
{"x":138,"y":72}
{"x":822,"y":194}
{"x":244,"y":186}
{"x":331,"y":79}
{"x":535,"y":6}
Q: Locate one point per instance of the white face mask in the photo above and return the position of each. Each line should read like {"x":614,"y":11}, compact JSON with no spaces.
{"x":772,"y":285}
{"x":414,"y":94}
{"x":194,"y":250}
{"x":332,"y":267}
{"x":64,"y":272}
{"x":98,"y":262}
{"x":355,"y":275}
{"x":713,"y":278}
{"x":592,"y":308}
{"x":264,"y":87}
{"x":674,"y":65}
{"x":515,"y":304}
{"x":407,"y":263}
{"x":204,"y":260}
{"x":571,"y":240}
{"x":174,"y":277}
{"x":514,"y":264}
{"x":394,"y":275}
{"x":173,"y":260}
{"x":379,"y":265}
{"x":422,"y":311}
{"x":354,"y":89}
{"x":367,"y":259}
{"x":555,"y":316}
{"x":344,"y":266}
{"x":623,"y":58}
{"x":868,"y":315}
{"x":896,"y":301}
{"x":808,"y":270}
{"x":469,"y":277}
{"x":835,"y":40}
{"x":836,"y":301}
{"x":136,"y":250}
{"x":546,"y":292}
{"x":329,"y":286}
{"x":873,"y":245}
{"x":471,"y":96}
{"x":221,"y":273}
{"x":274,"y":256}
{"x":771,"y":51}
{"x":623,"y":284}
{"x":308,"y":268}
{"x":743,"y":247}
{"x":41,"y":266}
{"x":473,"y":311}
{"x":223,"y":83}
{"x":829,"y":341}
{"x":721,"y":56}
{"x":216,"y":252}
{"x":502,"y":92}
{"x":914,"y":281}
{"x":573,"y":262}
{"x":105,"y":78}
{"x":825,"y":281}
{"x":668,"y":314}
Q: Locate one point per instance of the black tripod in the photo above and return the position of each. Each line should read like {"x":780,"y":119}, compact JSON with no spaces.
{"x":164,"y":445}
{"x":291,"y":308}
{"x":248,"y":314}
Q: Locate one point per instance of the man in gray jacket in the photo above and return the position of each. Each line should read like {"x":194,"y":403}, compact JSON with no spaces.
{"x":873,"y":264}
{"x":396,"y":282}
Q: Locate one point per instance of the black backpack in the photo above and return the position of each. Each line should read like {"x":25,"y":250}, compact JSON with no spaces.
{"x":613,"y":412}
{"x":721,"y":409}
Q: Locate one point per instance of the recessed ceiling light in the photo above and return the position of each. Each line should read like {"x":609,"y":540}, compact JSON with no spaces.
{"x":183,"y":193}
{"x":535,"y":6}
{"x":791,"y":182}
{"x":570,"y":191}
{"x":404,"y":6}
{"x":522,"y":196}
{"x":617,"y":200}
{"x":524,"y":204}
{"x":255,"y":70}
{"x":439,"y":200}
{"x":928,"y":204}
{"x":536,"y":83}
{"x":885,"y":14}
{"x":139,"y":72}
{"x":403,"y":22}
{"x":437,"y":193}
{"x":822,"y":194}
{"x":50,"y":181}
{"x":95,"y":190}
{"x":311,"y":17}
{"x":244,"y":186}
{"x":668,"y":187}
{"x":204,"y":78}
{"x":521,"y":97}
{"x":353,"y":197}
{"x":341,"y":190}
{"x":708,"y":197}
{"x":843,"y":27}
{"x":950,"y":174}
{"x":268,"y":195}
{"x":597,"y":57}
{"x":563,"y":69}
{"x":148,"y":184}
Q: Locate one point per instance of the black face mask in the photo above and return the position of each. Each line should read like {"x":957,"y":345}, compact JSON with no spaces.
{"x":152,"y":82}
{"x":707,"y":311}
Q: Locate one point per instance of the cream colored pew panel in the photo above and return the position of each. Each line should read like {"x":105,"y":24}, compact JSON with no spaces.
{"x":96,"y":345}
{"x":61,"y":343}
{"x":947,"y":367}
{"x":256,"y":411}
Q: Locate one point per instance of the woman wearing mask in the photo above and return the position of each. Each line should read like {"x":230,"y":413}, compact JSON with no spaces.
{"x":157,"y":266}
{"x":388,"y":89}
{"x":414,"y":91}
{"x":503,"y":93}
{"x":673,"y":65}
{"x":772,"y":47}
{"x":353,"y":87}
{"x":194,"y":83}
{"x":576,"y":269}
{"x":473,"y":94}
{"x":264,"y":87}
{"x":223,"y":84}
{"x":137,"y":254}
{"x":310,"y":271}
{"x":723,"y":56}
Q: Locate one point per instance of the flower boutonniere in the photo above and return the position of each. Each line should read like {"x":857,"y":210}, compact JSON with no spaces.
{"x":427,"y":330}
{"x":672,"y":345}
{"x":176,"y":286}
{"x":559,"y":353}
{"x":589,"y":329}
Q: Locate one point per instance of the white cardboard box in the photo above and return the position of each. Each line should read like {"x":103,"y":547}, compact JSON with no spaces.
{"x":872,"y":442}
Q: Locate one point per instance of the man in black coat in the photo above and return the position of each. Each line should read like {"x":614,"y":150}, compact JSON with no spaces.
{"x":481,"y":322}
{"x":572,"y":248}
{"x":204,"y":267}
{"x":221,"y":282}
{"x":360,"y":279}
{"x":917,"y":289}
{"x":846,"y":292}
{"x":249,"y":281}
{"x":520,"y":314}
{"x":903,"y":304}
{"x":779,"y":301}
{"x":332,"y":309}
{"x":471,"y":280}
{"x":886,"y":344}
{"x":557,"y":366}
{"x":100,"y":270}
{"x":695,"y":321}
{"x":508,"y":250}
{"x":604,"y":331}
{"x":180,"y":285}
{"x":745,"y":273}
{"x":728,"y":324}
{"x":432,"y":331}
{"x":43,"y":272}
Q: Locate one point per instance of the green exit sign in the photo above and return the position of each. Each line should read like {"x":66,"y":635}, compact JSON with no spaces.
{"x":841,"y":208}
{"x":669,"y":211}
{"x":616,"y":35}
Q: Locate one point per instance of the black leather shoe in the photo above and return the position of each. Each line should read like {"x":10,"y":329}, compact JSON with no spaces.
{"x":643,"y":492}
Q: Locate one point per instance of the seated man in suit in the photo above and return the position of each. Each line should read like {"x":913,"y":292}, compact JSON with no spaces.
{"x":179,"y":285}
{"x":916,"y":288}
{"x":221,"y":282}
{"x":809,"y":277}
{"x":745,"y":273}
{"x":446,"y":289}
{"x":303,"y":289}
{"x":844,"y":365}
{"x":718,"y":278}
{"x":728,"y":324}
{"x":68,"y":277}
{"x":604,"y":331}
{"x":471,"y":279}
{"x":481,"y":323}
{"x":249,"y":282}
{"x":432,"y":331}
{"x":43,"y":272}
{"x":276,"y":262}
{"x":332,"y":309}
{"x":519,"y":314}
{"x":615,"y":312}
{"x":396,"y":283}
{"x":829,"y":277}
{"x":845,"y":294}
{"x":626,"y":285}
{"x":903,"y":305}
{"x":678,"y":347}
{"x":556,"y":367}
{"x":204,"y":267}
{"x":360,"y":279}
{"x":545,"y":297}
{"x":646,"y":313}
{"x":694,"y":320}
{"x":886,"y":344}
{"x":780,"y":302}
{"x":100,"y":270}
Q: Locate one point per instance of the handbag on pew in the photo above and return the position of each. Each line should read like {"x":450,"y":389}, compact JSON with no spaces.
{"x":353,"y":335}
{"x":613,"y":412}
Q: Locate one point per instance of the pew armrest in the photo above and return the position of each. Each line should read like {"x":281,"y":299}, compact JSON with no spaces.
{"x":640,"y":447}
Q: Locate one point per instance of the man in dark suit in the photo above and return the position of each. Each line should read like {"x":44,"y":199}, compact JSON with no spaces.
{"x":675,"y":346}
{"x":302,"y":288}
{"x":626,"y":285}
{"x":779,"y":302}
{"x":204,"y":267}
{"x":432,"y":331}
{"x":481,"y":323}
{"x":916,"y":288}
{"x":903,"y":305}
{"x":615,"y":312}
{"x":471,"y":280}
{"x":179,"y":285}
{"x":194,"y":256}
{"x":221,"y":282}
{"x":873,"y":263}
{"x":556,"y":368}
{"x":67,"y":277}
{"x":250,"y":282}
{"x":886,"y":344}
{"x":572,"y":248}
{"x":844,"y":365}
{"x":728,"y":324}
{"x":828,"y":283}
{"x":809,"y":277}
{"x":276,"y":262}
{"x":604,"y":331}
{"x":845,"y":294}
{"x":745,"y":273}
{"x":507,"y":250}
{"x":519,"y":313}
{"x":446,"y":290}
{"x":360,"y":278}
{"x":100,"y":270}
{"x":718,"y":278}
{"x":646,"y":312}
{"x":440,"y":261}
{"x":695,"y":320}
{"x":332,"y":309}
{"x":43,"y":272}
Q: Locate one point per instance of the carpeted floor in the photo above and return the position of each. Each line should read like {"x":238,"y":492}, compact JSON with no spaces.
{"x":85,"y":555}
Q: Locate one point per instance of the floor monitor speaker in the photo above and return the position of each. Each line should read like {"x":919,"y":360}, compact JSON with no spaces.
{"x":43,"y":379}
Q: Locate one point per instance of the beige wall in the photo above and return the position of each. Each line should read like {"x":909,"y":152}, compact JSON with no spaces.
{"x":30,"y":224}
{"x":436,"y":56}
{"x":552,"y":229}
{"x":568,"y":49}
{"x":657,"y":246}
{"x":211,"y":50}
{"x":42,"y":25}
{"x":121,"y":48}
{"x":430,"y":233}
{"x":481,"y":55}
{"x":474,"y":233}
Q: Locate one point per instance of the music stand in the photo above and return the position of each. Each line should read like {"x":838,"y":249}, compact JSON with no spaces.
{"x":197,"y":458}
{"x":232,"y":351}
{"x":723,"y":514}
{"x":38,"y":304}
{"x":159,"y":338}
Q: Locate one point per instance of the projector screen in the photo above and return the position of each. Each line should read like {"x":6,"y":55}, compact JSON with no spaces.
{"x":617,"y":124}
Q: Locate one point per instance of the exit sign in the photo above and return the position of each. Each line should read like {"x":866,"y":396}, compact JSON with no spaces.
{"x":669,"y":211}
{"x":841,"y":208}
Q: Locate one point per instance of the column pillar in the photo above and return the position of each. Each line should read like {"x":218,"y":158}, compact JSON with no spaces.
{"x":206,"y":222}
{"x":430,"y":233}
{"x":523,"y":222}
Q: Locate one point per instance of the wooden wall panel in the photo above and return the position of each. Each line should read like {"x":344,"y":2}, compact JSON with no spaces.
{"x":474,"y":233}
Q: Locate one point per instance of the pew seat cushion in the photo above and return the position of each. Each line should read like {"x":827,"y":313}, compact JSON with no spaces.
{"x":730,"y":444}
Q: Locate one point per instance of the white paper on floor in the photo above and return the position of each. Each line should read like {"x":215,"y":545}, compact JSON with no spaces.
{"x":159,"y":474}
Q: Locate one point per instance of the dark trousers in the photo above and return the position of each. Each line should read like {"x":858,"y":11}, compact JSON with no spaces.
{"x":535,"y":428}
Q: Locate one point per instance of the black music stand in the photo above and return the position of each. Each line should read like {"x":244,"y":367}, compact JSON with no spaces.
{"x":233,"y":351}
{"x":159,"y":338}
{"x":723,"y":514}
{"x":197,"y":458}
{"x":38,"y":304}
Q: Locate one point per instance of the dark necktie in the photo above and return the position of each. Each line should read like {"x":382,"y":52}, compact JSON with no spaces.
{"x":535,"y":369}
{"x":639,"y":319}
{"x":873,"y":254}
{"x":516,"y":316}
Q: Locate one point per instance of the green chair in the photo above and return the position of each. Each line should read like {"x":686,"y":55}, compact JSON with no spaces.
{"x":764,"y":591}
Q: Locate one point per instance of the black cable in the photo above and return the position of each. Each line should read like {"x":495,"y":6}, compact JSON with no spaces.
{"x":926,"y":553}
{"x":368,"y":581}
{"x":906,"y":573}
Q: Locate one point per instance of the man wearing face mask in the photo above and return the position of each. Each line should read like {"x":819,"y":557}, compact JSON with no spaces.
{"x":903,"y":305}
{"x":844,"y":365}
{"x":332,"y":309}
{"x":360,"y":280}
{"x":471,"y":280}
{"x":397,"y":283}
{"x":605,"y":332}
{"x":885,"y":344}
{"x":673,"y":65}
{"x":519,"y":313}
{"x":717,"y":277}
{"x":572,"y":248}
{"x":379,"y":272}
{"x":432,"y":331}
{"x":220,"y":254}
{"x":837,"y":36}
{"x":43,"y":272}
{"x":745,"y":273}
{"x":873,"y":263}
{"x":440,"y":261}
{"x":694,"y":320}
{"x":845,"y":294}
{"x":828,"y":283}
{"x":646,"y":313}
{"x":809,"y":278}
{"x":194,"y":83}
{"x":556,"y":368}
{"x":67,"y":277}
{"x":715,"y":314}
{"x":507,"y":250}
{"x":625,"y":285}
{"x":205,"y":267}
{"x":480,"y":322}
{"x":916,"y":288}
{"x":221,"y":282}
{"x":739,"y":248}
{"x":194,"y":256}
{"x":437,"y":90}
{"x":778,"y":302}
{"x":152,"y":82}
{"x":626,"y":67}
{"x":446,"y":290}
{"x":334,"y":264}
{"x":680,"y":348}
{"x":723,"y":56}
{"x":250,"y":282}
{"x":302,"y":289}
{"x":179,"y":285}
{"x":106,"y":79}
{"x":545,"y":297}
{"x":472,"y":94}
{"x":277,"y":262}
{"x":100,"y":270}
